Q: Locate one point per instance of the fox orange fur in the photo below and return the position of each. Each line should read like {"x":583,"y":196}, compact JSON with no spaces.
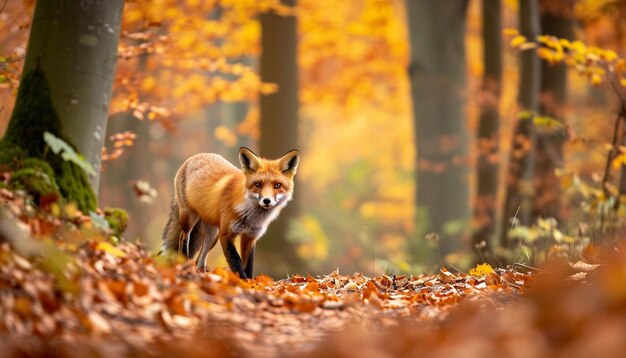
{"x":214,"y":199}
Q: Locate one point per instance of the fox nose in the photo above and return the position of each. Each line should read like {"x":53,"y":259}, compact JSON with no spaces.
{"x":267,"y":201}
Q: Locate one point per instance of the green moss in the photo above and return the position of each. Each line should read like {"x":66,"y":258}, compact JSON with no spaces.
{"x":74,"y":185}
{"x":37,"y":178}
{"x":33,"y":115}
{"x":10,"y":155}
{"x":117,"y":219}
{"x":39,"y":164}
{"x":34,"y":181}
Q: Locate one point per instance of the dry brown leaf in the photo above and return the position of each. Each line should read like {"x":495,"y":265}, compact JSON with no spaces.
{"x":581,"y":266}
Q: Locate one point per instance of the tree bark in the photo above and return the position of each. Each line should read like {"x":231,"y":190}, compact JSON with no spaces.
{"x":438,"y":84}
{"x":65,"y":89}
{"x":137,"y":163}
{"x":488,"y":126}
{"x":75,"y":45}
{"x":279,"y":126}
{"x":556,"y":22}
{"x":520,"y":172}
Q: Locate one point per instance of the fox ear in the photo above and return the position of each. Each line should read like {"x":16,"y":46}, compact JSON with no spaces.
{"x":289,"y":162}
{"x":249,"y":160}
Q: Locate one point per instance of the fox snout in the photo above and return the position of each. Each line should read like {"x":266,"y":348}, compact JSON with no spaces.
{"x":267,"y":202}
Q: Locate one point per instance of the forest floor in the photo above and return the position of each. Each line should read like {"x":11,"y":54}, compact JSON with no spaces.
{"x":84,"y":296}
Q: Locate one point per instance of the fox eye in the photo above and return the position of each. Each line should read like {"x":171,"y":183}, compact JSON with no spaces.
{"x":258,"y":185}
{"x":277,"y":186}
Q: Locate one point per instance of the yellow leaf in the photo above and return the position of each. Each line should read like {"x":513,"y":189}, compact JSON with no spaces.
{"x":148,"y":83}
{"x":518,"y":40}
{"x":544,"y":39}
{"x":547,"y":122}
{"x":546,"y":54}
{"x":596,"y":79}
{"x":618,"y":161}
{"x":558,"y":236}
{"x":71,"y":210}
{"x":481,"y":270}
{"x":269,"y":88}
{"x":107,"y":247}
{"x":578,"y":46}
{"x":609,"y":55}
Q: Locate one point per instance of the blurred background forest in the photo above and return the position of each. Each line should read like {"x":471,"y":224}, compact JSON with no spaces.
{"x":404,"y":112}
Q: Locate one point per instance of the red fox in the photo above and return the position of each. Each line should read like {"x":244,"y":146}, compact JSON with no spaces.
{"x":213,"y":198}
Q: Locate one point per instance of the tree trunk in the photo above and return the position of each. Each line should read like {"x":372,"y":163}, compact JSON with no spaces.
{"x":438,"y":84}
{"x":135,"y":164}
{"x":550,"y":141}
{"x":279,"y":126}
{"x":65,"y":89}
{"x":488,"y":126}
{"x":520,"y":172}
{"x":75,"y":44}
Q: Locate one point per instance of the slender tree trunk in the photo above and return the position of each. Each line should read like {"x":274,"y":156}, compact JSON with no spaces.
{"x":135,"y":164}
{"x":438,"y":84}
{"x":75,"y":45}
{"x":488,"y":126}
{"x":622,"y":179}
{"x":279,"y":126}
{"x":520,"y":172}
{"x":550,"y":141}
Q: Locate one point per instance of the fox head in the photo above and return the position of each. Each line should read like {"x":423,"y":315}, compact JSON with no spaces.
{"x":269,"y":182}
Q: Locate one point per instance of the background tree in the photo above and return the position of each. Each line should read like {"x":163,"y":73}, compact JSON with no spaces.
{"x":520,"y":170}
{"x":488,"y":126}
{"x":557,"y":19}
{"x":437,"y":76}
{"x":66,"y":86}
{"x":279,"y":121}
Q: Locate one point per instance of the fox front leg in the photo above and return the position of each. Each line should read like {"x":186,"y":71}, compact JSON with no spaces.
{"x":247,"y":247}
{"x":230,"y":252}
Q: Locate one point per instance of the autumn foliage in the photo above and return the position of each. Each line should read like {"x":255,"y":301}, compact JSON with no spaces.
{"x":371,"y":280}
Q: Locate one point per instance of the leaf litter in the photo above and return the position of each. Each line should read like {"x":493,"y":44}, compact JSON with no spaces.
{"x":88,"y":297}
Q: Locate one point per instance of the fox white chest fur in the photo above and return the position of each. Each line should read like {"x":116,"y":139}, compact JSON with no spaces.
{"x":254,"y":219}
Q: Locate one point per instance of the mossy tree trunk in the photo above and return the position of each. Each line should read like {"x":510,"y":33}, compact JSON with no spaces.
{"x":66,"y":87}
{"x":75,"y":43}
{"x":438,"y":87}
{"x":279,"y":126}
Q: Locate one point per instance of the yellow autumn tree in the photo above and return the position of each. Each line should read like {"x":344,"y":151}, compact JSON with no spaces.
{"x":358,"y":145}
